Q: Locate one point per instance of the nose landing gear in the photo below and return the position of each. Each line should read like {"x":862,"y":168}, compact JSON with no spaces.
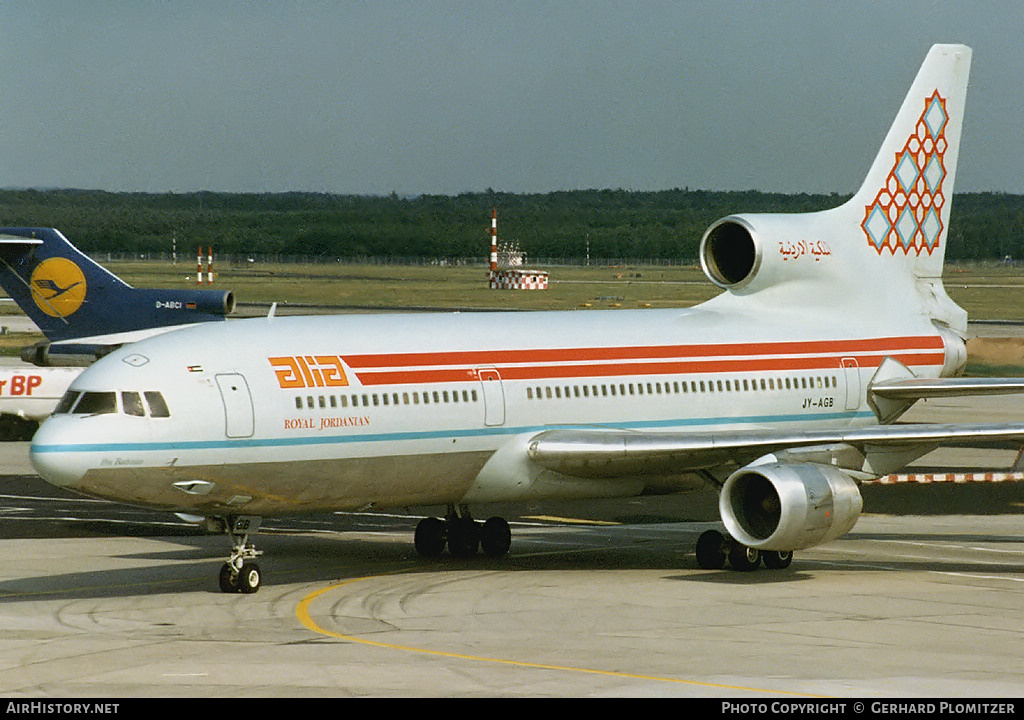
{"x":241,"y":573}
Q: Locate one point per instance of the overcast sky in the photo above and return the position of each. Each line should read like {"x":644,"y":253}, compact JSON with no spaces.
{"x":444,"y":97}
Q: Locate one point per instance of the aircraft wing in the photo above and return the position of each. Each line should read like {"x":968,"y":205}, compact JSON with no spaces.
{"x":922,"y":388}
{"x":895,"y":388}
{"x":866,"y":452}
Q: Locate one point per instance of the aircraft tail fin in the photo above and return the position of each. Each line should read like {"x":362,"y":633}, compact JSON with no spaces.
{"x":70,"y":296}
{"x":906,"y":197}
{"x":881,"y":251}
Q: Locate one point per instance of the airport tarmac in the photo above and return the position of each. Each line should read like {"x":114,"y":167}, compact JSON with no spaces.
{"x":924,"y":598}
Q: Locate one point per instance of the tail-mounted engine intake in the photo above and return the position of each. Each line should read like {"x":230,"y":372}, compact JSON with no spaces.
{"x":745,"y":253}
{"x":729,"y":255}
{"x":789,"y":506}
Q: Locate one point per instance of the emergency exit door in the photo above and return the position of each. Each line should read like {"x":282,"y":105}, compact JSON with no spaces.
{"x":494,"y":396}
{"x":851,"y":374}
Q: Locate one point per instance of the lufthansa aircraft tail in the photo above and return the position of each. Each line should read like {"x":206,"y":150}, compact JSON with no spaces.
{"x":879,"y":255}
{"x":84,"y":310}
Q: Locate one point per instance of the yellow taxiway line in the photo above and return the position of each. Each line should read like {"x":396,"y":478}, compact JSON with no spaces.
{"x":304,"y":617}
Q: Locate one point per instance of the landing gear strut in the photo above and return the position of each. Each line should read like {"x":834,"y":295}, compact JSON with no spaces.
{"x":241,"y":573}
{"x":714,"y":548}
{"x":463,"y":535}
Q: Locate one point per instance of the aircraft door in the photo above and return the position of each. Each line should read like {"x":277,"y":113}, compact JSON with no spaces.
{"x":239,"y":420}
{"x":494,"y":396}
{"x":851,"y":375}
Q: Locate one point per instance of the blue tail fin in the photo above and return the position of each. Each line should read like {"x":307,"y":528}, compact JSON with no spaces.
{"x":71,"y":297}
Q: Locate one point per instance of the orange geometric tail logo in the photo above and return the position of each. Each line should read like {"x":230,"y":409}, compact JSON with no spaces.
{"x":906,"y":215}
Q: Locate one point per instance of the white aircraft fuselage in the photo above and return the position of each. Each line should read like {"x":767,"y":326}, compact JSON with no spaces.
{"x":285,"y":415}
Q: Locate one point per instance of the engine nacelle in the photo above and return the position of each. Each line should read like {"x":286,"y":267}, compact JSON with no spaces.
{"x":210,"y":302}
{"x":789,"y":506}
{"x":744,"y":253}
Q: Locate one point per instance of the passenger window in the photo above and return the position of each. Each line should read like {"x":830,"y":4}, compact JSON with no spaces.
{"x":97,"y":403}
{"x":132,"y":403}
{"x":157,"y":406}
{"x":66,"y":403}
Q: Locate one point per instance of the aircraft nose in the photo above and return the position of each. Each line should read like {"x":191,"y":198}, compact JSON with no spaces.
{"x":53,"y":454}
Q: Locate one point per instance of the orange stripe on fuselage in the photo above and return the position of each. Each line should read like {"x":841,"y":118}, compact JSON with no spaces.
{"x":422,"y":368}
{"x":546,"y":355}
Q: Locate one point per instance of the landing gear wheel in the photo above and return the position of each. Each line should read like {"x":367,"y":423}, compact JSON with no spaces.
{"x":249,"y":578}
{"x":463,"y":537}
{"x":431,"y":536}
{"x":711,"y":550}
{"x":495,"y":537}
{"x":228,"y":579}
{"x":240,"y":573}
{"x":744,"y":558}
{"x":777,"y":559}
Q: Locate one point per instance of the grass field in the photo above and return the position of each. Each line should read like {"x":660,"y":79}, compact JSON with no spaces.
{"x":988,"y":292}
{"x":436,"y":286}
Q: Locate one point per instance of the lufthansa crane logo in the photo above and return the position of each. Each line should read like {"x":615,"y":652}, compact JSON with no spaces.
{"x":58,"y":287}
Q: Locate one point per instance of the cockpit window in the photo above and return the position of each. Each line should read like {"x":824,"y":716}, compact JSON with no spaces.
{"x":132,"y":403}
{"x":77,"y":402}
{"x":67,"y":402}
{"x":96,"y":403}
{"x":157,"y":405}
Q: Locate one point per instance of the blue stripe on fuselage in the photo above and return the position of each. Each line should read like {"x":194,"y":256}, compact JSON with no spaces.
{"x":239,"y":443}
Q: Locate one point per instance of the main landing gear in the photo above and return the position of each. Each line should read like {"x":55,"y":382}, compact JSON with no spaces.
{"x":714,"y":548}
{"x":462,"y":534}
{"x":241,"y":573}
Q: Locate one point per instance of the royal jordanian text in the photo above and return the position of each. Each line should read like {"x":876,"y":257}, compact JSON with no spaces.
{"x":875,"y":708}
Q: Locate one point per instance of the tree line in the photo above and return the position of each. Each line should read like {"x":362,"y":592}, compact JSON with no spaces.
{"x":664,"y":224}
